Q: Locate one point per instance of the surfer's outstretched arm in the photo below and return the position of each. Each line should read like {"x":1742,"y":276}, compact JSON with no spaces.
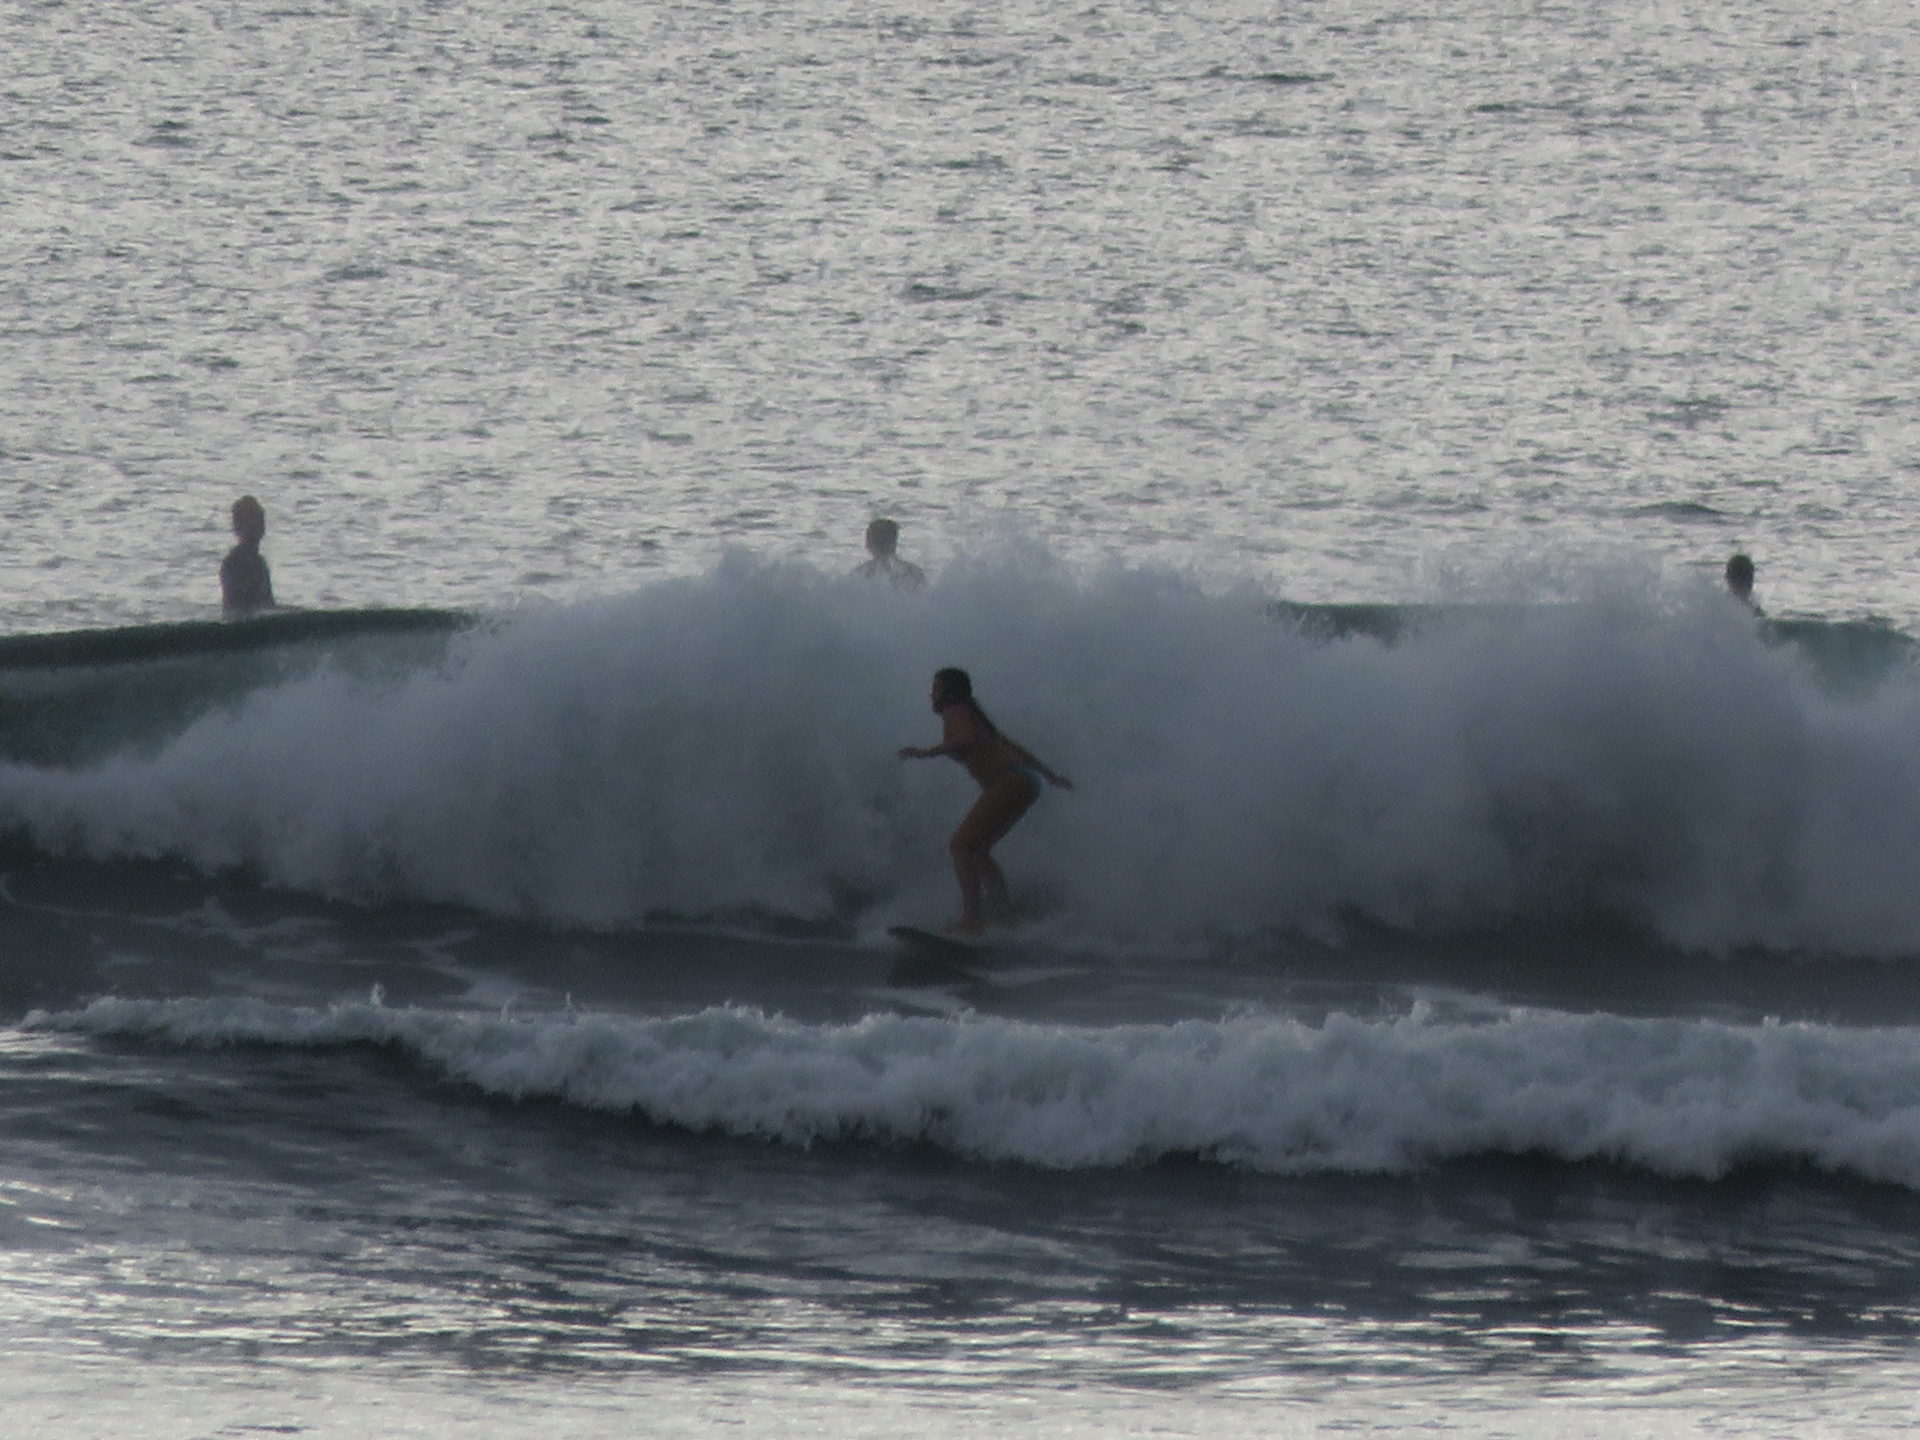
{"x":961,"y":736}
{"x":966,"y":737}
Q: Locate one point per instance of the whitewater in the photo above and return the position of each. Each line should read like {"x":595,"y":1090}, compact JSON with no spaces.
{"x":1641,"y":753}
{"x":1272,"y":1094}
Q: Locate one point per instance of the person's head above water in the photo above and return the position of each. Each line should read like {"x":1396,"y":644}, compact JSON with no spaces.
{"x":245,"y":584}
{"x":1740,"y":578}
{"x":950,"y":685}
{"x":883,"y":562}
{"x":249,"y":520}
{"x":953,"y":686}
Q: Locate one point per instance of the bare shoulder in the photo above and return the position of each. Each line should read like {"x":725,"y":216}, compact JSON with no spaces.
{"x":960,"y":723}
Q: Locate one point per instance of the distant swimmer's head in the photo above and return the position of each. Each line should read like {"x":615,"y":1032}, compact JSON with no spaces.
{"x":951,"y":687}
{"x":883,"y":538}
{"x":249,"y":520}
{"x":1740,"y":578}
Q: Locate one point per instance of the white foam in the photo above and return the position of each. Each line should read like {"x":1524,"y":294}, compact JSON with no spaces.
{"x":729,"y":741}
{"x":1690,"y":1098}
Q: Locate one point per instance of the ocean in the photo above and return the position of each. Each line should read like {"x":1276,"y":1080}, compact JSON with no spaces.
{"x":1473,"y":986}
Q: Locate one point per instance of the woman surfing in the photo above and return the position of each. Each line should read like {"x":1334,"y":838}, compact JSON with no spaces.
{"x":1009,"y":776}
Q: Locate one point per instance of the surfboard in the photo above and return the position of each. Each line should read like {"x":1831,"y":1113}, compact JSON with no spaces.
{"x":936,"y":959}
{"x":938,"y":942}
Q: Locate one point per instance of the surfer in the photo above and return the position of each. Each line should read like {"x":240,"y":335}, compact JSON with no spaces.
{"x":245,"y":585}
{"x":1009,"y":776}
{"x":883,"y":541}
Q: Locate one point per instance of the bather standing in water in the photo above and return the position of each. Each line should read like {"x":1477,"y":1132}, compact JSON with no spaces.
{"x":245,"y":584}
{"x":883,"y":547}
{"x":1740,"y":580}
{"x":1010,"y":777}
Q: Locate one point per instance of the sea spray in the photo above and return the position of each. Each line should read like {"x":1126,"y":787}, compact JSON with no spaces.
{"x":726,"y":744}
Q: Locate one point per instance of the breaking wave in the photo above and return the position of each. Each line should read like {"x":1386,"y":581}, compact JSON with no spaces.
{"x":1643,"y":754}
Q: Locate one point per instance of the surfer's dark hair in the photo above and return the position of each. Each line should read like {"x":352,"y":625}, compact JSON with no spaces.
{"x":957,"y":686}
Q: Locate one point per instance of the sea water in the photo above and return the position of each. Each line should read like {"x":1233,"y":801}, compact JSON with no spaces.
{"x":1470,"y":988}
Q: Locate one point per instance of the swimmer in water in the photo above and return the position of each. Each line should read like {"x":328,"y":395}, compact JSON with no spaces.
{"x":884,"y":562}
{"x":1009,"y":776}
{"x":245,"y":584}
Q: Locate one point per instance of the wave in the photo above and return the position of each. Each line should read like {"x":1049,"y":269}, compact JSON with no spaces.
{"x":1643,"y":754}
{"x":76,"y":695}
{"x":132,"y":644}
{"x":1683,"y":1098}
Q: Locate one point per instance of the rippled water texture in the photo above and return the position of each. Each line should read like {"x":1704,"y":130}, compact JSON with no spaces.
{"x":491,"y":301}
